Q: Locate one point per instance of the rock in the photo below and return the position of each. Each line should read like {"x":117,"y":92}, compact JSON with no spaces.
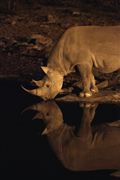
{"x":41,"y":40}
{"x":76,"y":13}
{"x":51,"y":19}
{"x":13,"y":23}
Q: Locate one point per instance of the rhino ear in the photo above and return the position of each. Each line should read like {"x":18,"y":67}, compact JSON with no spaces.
{"x":45,"y":69}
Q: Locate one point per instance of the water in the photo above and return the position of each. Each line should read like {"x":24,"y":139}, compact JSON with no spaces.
{"x":22,"y":145}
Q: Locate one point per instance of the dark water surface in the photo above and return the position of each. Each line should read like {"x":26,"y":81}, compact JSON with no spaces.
{"x":23,"y":147}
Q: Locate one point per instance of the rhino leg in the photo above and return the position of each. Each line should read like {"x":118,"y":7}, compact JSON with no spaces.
{"x":88,"y":80}
{"x":93,"y":87}
{"x":85,"y":129}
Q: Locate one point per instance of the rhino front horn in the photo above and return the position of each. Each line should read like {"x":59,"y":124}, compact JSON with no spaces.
{"x":32,"y":91}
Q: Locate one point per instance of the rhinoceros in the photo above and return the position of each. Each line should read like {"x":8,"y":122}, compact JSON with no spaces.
{"x":84,"y":48}
{"x":90,"y":148}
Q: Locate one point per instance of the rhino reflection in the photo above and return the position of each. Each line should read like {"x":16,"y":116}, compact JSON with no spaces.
{"x":91,"y":148}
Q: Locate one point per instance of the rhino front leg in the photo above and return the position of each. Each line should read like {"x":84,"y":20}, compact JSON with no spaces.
{"x":88,"y":80}
{"x":85,"y":129}
{"x":93,"y":87}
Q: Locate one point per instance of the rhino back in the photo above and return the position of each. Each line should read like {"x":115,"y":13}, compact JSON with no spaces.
{"x":98,"y":45}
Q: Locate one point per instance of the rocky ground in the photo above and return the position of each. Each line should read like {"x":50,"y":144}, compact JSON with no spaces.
{"x":27,"y":35}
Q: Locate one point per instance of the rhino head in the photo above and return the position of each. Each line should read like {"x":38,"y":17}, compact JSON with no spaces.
{"x":49,"y":113}
{"x":49,"y":86}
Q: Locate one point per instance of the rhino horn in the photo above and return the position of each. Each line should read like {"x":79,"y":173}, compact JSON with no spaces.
{"x":38,"y":116}
{"x":38,"y":83}
{"x":36,"y":92}
{"x":32,"y":91}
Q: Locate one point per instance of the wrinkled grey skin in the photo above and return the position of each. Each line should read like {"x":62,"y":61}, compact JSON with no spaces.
{"x":83,"y":47}
{"x":92,"y":148}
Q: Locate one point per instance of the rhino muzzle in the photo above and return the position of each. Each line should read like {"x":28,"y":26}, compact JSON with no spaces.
{"x":48,"y":87}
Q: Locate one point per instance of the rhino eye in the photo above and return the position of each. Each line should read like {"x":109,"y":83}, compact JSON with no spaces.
{"x":47,"y":85}
{"x":47,"y":114}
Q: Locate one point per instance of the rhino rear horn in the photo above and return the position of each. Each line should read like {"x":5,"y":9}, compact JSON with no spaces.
{"x":38,"y":116}
{"x":38,"y":83}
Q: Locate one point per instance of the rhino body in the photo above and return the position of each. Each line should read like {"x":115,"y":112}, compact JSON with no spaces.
{"x":97,"y":46}
{"x":83,"y":47}
{"x":91,"y":148}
